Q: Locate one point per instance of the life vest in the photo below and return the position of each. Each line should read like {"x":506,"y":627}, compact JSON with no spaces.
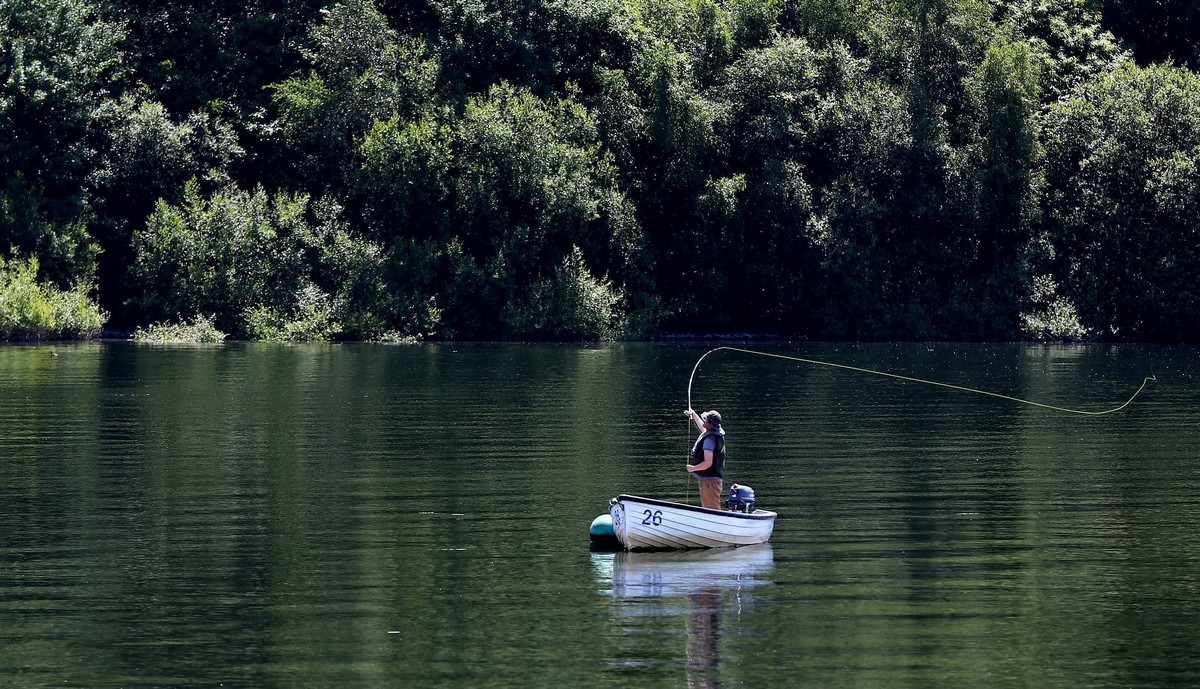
{"x":717,"y":470}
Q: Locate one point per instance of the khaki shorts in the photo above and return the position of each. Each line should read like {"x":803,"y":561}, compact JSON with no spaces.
{"x":710,"y":492}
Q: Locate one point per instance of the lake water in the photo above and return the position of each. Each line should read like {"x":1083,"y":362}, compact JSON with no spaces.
{"x":251,"y":515}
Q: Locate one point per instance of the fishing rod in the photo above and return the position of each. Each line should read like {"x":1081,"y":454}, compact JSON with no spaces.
{"x":911,"y":379}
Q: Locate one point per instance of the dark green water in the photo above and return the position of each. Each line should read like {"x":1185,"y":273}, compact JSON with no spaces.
{"x":321,"y":516}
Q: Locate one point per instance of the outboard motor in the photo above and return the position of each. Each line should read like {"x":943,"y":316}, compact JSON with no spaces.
{"x":741,"y":499}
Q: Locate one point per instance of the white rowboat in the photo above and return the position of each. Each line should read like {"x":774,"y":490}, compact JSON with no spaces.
{"x":648,"y":524}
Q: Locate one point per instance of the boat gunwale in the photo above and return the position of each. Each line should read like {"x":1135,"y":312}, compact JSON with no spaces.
{"x":756,"y":515}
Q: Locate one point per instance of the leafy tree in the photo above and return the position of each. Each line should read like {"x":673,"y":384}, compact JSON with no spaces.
{"x":1008,"y":182}
{"x":530,"y":182}
{"x":59,"y":62}
{"x":679,"y":124}
{"x":620,"y":117}
{"x":363,"y":71}
{"x":571,"y":304}
{"x":492,"y":202}
{"x":380,"y":291}
{"x":1067,"y":43}
{"x":1123,"y":200}
{"x":1008,"y":90}
{"x":223,"y":256}
{"x":403,"y":184}
{"x":770,"y":107}
{"x":869,"y":135}
{"x":541,"y":45}
{"x":309,"y":319}
{"x":824,"y":23}
{"x":700,"y":31}
{"x":149,"y":155}
{"x":771,"y":101}
{"x":193,"y":54}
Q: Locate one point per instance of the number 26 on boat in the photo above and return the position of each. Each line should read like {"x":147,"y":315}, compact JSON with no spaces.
{"x":652,"y":518}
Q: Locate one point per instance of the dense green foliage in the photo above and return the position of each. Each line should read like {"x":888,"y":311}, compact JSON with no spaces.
{"x":199,"y":331}
{"x":600,"y":169}
{"x":32,"y":310}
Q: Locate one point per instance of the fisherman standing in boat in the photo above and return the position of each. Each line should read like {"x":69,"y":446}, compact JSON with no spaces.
{"x":707,"y":459}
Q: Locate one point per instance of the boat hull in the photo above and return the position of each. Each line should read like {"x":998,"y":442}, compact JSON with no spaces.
{"x":648,"y":524}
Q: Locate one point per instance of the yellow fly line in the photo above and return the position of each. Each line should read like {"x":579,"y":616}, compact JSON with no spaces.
{"x":910,"y":379}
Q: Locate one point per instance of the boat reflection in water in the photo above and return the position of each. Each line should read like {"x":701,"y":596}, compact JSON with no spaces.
{"x":702,"y":593}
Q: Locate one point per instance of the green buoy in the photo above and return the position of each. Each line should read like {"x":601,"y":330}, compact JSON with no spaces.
{"x":602,"y":534}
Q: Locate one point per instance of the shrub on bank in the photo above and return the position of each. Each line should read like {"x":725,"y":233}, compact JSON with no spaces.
{"x":30,"y":310}
{"x":200,"y":331}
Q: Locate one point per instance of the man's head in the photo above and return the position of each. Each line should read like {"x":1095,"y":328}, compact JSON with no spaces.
{"x":712,"y":418}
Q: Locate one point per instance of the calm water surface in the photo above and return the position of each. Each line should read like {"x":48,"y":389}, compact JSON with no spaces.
{"x":318,"y":516}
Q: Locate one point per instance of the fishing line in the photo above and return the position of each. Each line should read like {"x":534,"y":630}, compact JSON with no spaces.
{"x":911,"y":379}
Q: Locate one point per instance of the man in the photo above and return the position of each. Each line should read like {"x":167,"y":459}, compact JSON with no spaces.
{"x":707,"y":459}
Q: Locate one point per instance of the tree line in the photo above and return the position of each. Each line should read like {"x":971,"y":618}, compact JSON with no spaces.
{"x":401,"y":170}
